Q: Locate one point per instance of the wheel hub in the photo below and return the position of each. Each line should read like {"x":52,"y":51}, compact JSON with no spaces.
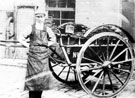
{"x":106,"y":63}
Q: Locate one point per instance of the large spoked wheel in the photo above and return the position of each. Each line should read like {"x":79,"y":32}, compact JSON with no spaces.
{"x":61,"y":70}
{"x":64,"y":71}
{"x":109,"y":64}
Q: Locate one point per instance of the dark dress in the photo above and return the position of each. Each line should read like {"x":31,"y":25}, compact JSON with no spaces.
{"x":38,"y":62}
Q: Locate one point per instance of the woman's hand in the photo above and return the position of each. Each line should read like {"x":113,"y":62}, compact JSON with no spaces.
{"x":51,"y":43}
{"x":24,"y":43}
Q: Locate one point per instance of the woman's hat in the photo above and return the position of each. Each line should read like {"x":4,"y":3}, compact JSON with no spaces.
{"x":40,"y":12}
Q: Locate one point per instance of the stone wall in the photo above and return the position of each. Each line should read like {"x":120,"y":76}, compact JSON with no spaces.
{"x":97,"y":12}
{"x":23,"y":17}
{"x":128,"y":10}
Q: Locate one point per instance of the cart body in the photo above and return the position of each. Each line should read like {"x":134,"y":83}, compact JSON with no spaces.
{"x":101,"y":59}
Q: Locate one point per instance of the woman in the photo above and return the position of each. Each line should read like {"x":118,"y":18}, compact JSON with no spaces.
{"x":37,"y":64}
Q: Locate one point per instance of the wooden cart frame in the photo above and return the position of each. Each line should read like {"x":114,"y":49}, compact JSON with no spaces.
{"x":102,"y":62}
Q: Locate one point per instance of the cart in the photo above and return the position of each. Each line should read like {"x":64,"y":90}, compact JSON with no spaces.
{"x":101,"y":60}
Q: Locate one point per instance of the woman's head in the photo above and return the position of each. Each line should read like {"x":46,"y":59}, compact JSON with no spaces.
{"x":40,"y":15}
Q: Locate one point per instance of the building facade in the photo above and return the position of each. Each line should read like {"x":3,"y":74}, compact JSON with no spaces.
{"x":19,"y":13}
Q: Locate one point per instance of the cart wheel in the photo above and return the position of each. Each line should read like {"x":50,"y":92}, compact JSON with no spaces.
{"x":109,"y":66}
{"x":62,"y":71}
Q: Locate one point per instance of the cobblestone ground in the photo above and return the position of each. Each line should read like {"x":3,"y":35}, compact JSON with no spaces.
{"x":12,"y":82}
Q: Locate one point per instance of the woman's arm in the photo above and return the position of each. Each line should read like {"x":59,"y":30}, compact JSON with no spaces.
{"x":52,"y":37}
{"x":23,"y":36}
{"x":23,"y":41}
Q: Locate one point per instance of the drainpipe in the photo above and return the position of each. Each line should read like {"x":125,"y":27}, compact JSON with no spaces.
{"x":8,"y":28}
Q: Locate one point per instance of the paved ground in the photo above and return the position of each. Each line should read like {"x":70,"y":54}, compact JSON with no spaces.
{"x":12,"y":73}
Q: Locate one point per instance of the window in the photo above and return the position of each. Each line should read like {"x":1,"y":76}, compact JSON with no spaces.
{"x":71,"y":3}
{"x":51,"y":3}
{"x":61,"y":10}
{"x":62,"y":3}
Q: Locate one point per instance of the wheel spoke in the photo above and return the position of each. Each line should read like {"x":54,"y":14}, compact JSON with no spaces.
{"x":108,"y":40}
{"x":90,"y":69}
{"x":95,"y":86}
{"x":110,"y":81}
{"x":91,"y":77}
{"x":114,"y":49}
{"x":119,"y":54}
{"x":103,"y":56}
{"x":120,"y":62}
{"x":127,"y":71}
{"x":116,"y":77}
{"x":103,"y":92}
{"x":61,"y":70}
{"x":92,"y":60}
{"x":68,"y":73}
{"x":96,"y":54}
{"x":101,"y":50}
{"x":75,"y":75}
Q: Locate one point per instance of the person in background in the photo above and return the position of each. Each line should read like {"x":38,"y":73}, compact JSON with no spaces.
{"x":38,"y":75}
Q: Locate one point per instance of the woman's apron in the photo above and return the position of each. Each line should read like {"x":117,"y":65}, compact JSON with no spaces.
{"x":38,"y":75}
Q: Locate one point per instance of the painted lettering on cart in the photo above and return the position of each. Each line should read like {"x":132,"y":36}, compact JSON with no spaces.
{"x":75,"y":54}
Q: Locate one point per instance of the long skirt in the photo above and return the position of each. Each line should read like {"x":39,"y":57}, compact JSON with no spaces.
{"x":38,"y":74}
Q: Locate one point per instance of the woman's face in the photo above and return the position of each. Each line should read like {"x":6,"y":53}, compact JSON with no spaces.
{"x":40,"y":18}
